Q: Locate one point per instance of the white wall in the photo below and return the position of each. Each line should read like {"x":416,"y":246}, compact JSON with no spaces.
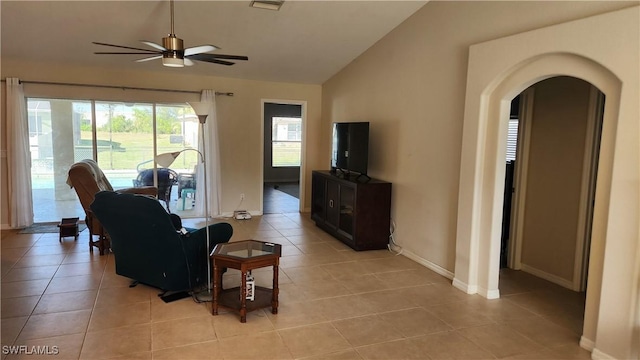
{"x":239,"y":116}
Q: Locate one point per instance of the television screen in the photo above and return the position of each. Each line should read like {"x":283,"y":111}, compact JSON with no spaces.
{"x":350,"y":147}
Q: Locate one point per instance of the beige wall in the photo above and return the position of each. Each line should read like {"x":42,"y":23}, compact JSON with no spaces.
{"x":411,"y":87}
{"x":240,"y":121}
{"x":556,"y":154}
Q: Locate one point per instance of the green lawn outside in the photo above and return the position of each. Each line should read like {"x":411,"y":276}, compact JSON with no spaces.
{"x":286,"y":154}
{"x":135,"y":148}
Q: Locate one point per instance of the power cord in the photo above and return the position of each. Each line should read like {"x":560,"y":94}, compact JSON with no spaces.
{"x":239,"y":204}
{"x":392,"y":246}
{"x":233,"y":215}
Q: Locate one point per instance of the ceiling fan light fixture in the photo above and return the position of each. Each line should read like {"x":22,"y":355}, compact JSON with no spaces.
{"x":173,"y":53}
{"x":267,"y":4}
{"x":170,"y":61}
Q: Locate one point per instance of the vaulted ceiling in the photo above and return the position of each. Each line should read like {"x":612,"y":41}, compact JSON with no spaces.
{"x":303,"y":42}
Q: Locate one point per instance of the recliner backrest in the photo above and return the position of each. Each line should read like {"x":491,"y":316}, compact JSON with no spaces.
{"x":89,"y":168}
{"x":86,"y":178}
{"x":144,"y":241}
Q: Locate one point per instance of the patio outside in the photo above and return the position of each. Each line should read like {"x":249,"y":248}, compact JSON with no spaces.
{"x":122,"y":140}
{"x":48,"y":209}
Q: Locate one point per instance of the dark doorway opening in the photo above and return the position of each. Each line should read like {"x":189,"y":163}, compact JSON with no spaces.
{"x":282,"y":157}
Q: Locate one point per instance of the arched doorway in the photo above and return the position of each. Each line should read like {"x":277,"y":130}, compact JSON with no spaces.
{"x":498,"y":71}
{"x":551,"y":162}
{"x":545,"y":243}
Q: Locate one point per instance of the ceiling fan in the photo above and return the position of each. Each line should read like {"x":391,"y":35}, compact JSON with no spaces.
{"x":173,"y":53}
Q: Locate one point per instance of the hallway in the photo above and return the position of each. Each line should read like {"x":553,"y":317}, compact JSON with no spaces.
{"x":279,"y":202}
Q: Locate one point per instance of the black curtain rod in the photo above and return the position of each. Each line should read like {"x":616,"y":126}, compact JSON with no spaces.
{"x":117,"y":87}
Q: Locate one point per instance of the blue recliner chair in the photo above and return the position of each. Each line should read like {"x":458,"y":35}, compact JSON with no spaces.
{"x":148,"y":248}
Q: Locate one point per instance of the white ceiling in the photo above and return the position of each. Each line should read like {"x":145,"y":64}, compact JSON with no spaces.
{"x":304,"y":42}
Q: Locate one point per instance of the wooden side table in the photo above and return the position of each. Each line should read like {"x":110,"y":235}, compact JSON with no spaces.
{"x":68,"y":227}
{"x":245,"y":256}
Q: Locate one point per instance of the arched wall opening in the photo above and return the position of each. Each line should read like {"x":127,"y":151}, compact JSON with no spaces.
{"x":498,"y":71}
{"x":495,"y":123}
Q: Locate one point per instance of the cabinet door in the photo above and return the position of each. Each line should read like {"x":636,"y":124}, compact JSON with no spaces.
{"x":347,"y":210}
{"x":318,"y":198}
{"x":333,"y":203}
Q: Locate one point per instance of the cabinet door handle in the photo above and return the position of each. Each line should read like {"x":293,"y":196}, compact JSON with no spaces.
{"x":330,"y":203}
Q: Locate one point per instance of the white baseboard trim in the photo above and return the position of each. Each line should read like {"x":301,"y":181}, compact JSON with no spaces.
{"x":587,"y":344}
{"x":489,"y":294}
{"x":460,"y":285}
{"x":549,"y":277}
{"x":599,"y":355}
{"x":231,"y":214}
{"x":5,"y":227}
{"x":428,"y":264}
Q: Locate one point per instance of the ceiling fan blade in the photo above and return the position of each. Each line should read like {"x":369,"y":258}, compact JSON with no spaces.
{"x":221,"y":62}
{"x":199,"y":49}
{"x":214,"y":58}
{"x":153,"y":45}
{"x":149,"y":58}
{"x":188,"y":62}
{"x":124,"y":53}
{"x":124,"y":47}
{"x":229,"y":57}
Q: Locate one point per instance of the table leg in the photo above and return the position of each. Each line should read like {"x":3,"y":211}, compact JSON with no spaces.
{"x":243,"y":297}
{"x":216,"y":289}
{"x":274,"y":298}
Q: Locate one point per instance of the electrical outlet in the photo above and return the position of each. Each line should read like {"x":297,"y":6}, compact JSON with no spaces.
{"x":241,"y":196}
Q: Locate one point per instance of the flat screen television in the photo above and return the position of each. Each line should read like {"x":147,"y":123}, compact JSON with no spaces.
{"x":350,"y":147}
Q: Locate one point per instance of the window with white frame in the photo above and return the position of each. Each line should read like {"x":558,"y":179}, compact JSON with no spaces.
{"x":286,"y":141}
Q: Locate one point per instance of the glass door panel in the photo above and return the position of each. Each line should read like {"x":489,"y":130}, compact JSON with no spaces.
{"x":347,"y":202}
{"x":177,"y":130}
{"x":124,"y":141}
{"x":318,"y":199}
{"x":57,"y":139}
{"x":333,"y":205}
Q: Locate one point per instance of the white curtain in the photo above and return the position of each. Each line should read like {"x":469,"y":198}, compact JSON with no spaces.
{"x":211,"y":151}
{"x":18,"y":157}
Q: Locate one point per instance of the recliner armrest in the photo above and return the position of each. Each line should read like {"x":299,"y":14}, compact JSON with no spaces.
{"x":143,"y":190}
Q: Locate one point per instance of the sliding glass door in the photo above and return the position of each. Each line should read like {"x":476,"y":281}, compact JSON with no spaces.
{"x":121,"y":137}
{"x":56,"y":141}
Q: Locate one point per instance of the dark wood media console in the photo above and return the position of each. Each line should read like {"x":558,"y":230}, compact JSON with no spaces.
{"x":355,"y":210}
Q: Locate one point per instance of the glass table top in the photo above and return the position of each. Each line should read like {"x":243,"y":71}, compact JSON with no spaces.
{"x":247,"y":249}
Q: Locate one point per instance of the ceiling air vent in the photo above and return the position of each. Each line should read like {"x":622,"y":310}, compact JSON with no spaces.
{"x":267,"y":4}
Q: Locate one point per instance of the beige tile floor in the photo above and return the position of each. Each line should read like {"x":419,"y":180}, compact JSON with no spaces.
{"x":335,"y":303}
